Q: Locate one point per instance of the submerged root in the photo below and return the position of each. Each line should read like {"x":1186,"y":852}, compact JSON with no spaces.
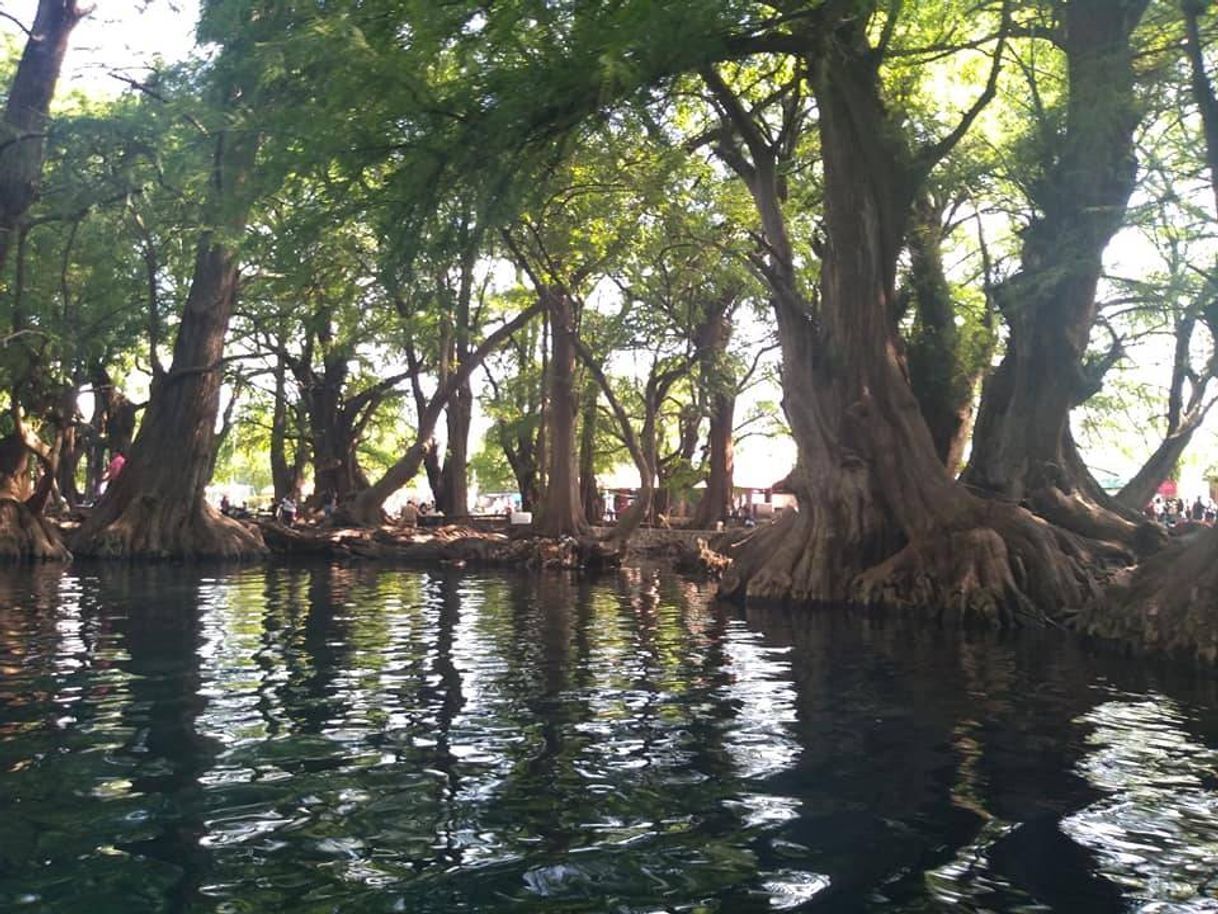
{"x":148,"y":527}
{"x":26,"y":536}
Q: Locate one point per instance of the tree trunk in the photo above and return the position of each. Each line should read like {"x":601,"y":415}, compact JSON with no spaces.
{"x":716,"y":503}
{"x":945,"y":360}
{"x":879,"y":519}
{"x":365,"y":508}
{"x":453,"y":498}
{"x":284,"y":475}
{"x":23,"y":129}
{"x":1019,"y":442}
{"x":562,"y":512}
{"x":454,"y":478}
{"x":156,"y":506}
{"x":24,"y":533}
{"x":1166,"y":603}
{"x":589,"y":490}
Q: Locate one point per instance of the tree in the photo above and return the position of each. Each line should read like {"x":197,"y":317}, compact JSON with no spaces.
{"x":156,"y":507}
{"x":1086,"y":172}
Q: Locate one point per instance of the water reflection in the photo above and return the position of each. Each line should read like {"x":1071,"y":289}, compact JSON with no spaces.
{"x":361,"y":739}
{"x":1156,"y":829}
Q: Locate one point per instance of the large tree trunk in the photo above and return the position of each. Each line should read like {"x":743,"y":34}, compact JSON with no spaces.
{"x":879,"y":520}
{"x":336,"y":470}
{"x":1019,"y":442}
{"x":24,"y":533}
{"x":1166,"y":603}
{"x":562,"y":512}
{"x":23,"y":130}
{"x":156,"y":506}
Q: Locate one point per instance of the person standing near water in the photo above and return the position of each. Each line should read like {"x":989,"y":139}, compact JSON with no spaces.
{"x":110,"y":473}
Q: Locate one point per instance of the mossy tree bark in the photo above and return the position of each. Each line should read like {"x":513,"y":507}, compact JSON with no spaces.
{"x":879,"y":520}
{"x":1019,"y":444}
{"x":946,"y":359}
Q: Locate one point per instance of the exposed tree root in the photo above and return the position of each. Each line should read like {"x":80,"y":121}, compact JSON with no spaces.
{"x":148,"y":527}
{"x":1168,"y":603}
{"x":1007,"y":568}
{"x":1081,"y":515}
{"x":26,"y":536}
{"x":995,"y":563}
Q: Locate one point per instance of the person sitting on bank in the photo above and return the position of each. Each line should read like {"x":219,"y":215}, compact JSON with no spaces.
{"x":410,"y":514}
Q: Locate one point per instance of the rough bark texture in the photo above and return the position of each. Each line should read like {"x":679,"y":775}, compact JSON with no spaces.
{"x":879,"y":520}
{"x":23,"y":129}
{"x":24,"y":533}
{"x":561,"y":510}
{"x":945,"y":360}
{"x":156,"y":506}
{"x":1049,"y":305}
{"x":1167,"y":603}
{"x":716,"y":502}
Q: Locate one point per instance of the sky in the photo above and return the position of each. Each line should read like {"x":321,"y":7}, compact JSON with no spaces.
{"x":122,"y":36}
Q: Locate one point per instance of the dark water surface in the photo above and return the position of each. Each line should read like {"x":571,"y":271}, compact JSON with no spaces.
{"x":321,"y":739}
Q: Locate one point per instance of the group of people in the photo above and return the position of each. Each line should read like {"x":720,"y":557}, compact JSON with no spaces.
{"x":1171,"y":511}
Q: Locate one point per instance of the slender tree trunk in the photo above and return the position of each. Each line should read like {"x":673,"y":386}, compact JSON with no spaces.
{"x":23,"y":130}
{"x":589,"y":490}
{"x":459,"y":413}
{"x":282,"y":476}
{"x":561,"y":509}
{"x":1019,"y":442}
{"x":23,"y":533}
{"x":716,"y":503}
{"x":454,"y":478}
{"x":156,"y":506}
{"x":365,"y":508}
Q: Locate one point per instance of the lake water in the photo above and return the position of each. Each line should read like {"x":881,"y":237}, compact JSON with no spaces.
{"x":360,"y":739}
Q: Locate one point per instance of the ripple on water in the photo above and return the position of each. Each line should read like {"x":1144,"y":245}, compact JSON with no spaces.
{"x":358,"y":739}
